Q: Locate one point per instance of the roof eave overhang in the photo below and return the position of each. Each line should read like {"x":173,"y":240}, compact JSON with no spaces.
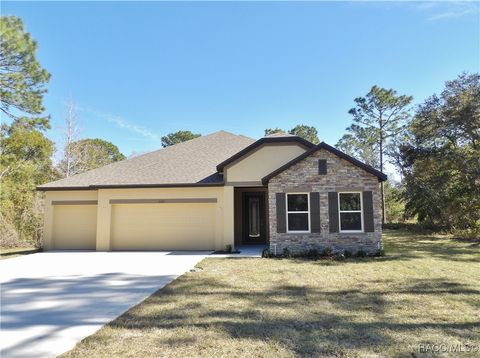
{"x":130,"y":186}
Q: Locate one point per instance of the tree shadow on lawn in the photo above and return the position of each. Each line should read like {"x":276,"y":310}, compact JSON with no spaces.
{"x":375,"y":312}
{"x":308,"y":320}
{"x":407,"y":246}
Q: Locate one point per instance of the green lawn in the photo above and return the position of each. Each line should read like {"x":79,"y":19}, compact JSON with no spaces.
{"x":17,"y":251}
{"x":425,"y":291}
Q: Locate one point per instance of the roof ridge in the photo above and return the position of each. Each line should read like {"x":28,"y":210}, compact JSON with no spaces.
{"x":280,"y":135}
{"x":152,"y":152}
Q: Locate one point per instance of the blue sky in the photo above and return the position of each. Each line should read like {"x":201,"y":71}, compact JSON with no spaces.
{"x":138,"y":71}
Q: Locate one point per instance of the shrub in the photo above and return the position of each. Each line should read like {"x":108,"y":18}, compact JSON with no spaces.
{"x":471,"y":235}
{"x":428,"y":229}
{"x":418,"y":228}
{"x":327,"y":251}
{"x":361,"y":253}
{"x":28,"y":232}
{"x":228,"y":249}
{"x":266,"y":253}
{"x":8,"y":235}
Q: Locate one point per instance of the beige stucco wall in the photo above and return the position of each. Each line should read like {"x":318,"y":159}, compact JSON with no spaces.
{"x":261,"y":162}
{"x":219,"y":214}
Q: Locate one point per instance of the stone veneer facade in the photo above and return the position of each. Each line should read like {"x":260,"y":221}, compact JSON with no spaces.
{"x":341,"y":176}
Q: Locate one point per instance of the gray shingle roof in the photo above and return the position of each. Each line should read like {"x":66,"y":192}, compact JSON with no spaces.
{"x":190,"y":162}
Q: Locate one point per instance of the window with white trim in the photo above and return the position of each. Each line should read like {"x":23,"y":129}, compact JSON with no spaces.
{"x":350,"y":211}
{"x":298,"y":212}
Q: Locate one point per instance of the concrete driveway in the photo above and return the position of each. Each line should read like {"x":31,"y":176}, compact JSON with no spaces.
{"x":52,"y":300}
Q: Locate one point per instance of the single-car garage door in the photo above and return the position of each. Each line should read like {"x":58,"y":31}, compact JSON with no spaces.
{"x":163,"y":226}
{"x":74,"y":227}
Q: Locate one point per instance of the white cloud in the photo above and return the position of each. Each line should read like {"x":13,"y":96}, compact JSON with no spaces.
{"x":442,"y":10}
{"x":450,"y":14}
{"x":122,"y":123}
{"x":431,"y":10}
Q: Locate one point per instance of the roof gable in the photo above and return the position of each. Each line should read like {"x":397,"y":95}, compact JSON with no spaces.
{"x":381,"y":176}
{"x":265,"y":140}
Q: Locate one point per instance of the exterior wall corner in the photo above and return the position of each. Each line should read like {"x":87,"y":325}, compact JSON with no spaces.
{"x":228,"y":217}
{"x":104,"y":216}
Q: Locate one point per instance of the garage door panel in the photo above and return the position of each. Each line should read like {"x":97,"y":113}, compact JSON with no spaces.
{"x":169,"y":226}
{"x":75,"y":227}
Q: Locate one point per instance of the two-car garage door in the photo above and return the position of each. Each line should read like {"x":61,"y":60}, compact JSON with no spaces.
{"x":169,"y":226}
{"x":155,"y":226}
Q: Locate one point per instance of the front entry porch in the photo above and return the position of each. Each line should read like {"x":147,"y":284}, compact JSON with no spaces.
{"x":251,"y":216}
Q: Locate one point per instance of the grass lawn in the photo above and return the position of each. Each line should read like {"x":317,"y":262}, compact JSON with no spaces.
{"x":425,"y":291}
{"x":17,"y":251}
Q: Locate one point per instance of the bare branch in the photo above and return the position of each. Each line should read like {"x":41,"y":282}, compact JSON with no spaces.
{"x":71,"y":158}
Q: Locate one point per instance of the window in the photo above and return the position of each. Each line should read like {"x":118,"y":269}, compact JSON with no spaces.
{"x":350,"y":212}
{"x":322,"y":166}
{"x":298,"y":213}
{"x":254,"y":216}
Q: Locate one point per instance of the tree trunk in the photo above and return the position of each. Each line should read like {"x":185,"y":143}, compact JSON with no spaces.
{"x":383,"y":202}
{"x":382,"y":193}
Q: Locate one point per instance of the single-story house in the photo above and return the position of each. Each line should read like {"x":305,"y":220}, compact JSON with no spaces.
{"x":217,"y":190}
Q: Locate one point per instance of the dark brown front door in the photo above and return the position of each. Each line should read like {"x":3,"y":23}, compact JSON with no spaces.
{"x":254,"y":223}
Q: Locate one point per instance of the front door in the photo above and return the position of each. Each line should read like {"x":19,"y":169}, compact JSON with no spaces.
{"x":254,"y":223}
